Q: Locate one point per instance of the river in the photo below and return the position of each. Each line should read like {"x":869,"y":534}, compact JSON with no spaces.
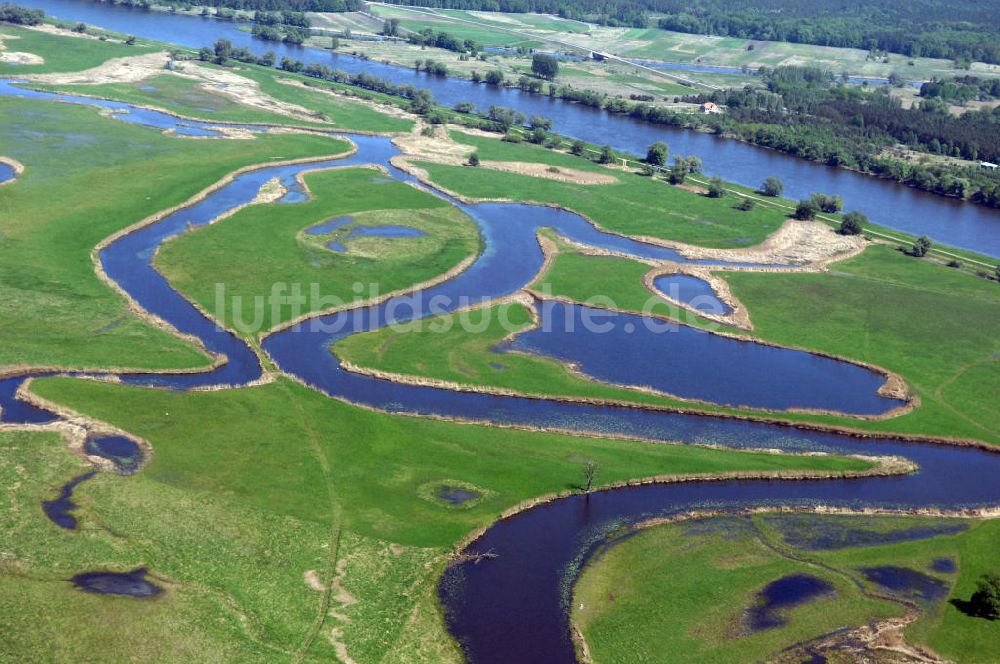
{"x":515,"y":607}
{"x":887,"y":203}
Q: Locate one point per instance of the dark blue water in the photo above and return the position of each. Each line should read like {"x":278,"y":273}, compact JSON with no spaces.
{"x":123,"y":452}
{"x":514,"y":607}
{"x":906,"y":582}
{"x":456,"y":495}
{"x":785,"y":593}
{"x":59,"y":510}
{"x":6,"y":172}
{"x":373,"y":231}
{"x":692,"y":291}
{"x":816,"y":533}
{"x":130,"y":584}
{"x":944,"y":566}
{"x":893,"y":205}
{"x":15,"y":411}
{"x":628,"y":349}
{"x":329,"y":226}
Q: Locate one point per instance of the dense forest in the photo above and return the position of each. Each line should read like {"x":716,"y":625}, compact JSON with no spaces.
{"x":956,"y":29}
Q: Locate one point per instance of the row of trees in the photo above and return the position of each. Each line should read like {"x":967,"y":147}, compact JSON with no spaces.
{"x":958,"y":29}
{"x":955,"y":29}
{"x":20,"y":15}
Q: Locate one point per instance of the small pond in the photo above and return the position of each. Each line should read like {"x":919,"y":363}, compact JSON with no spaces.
{"x":456,"y":495}
{"x":692,"y":291}
{"x":60,"y":510}
{"x":124,"y":452}
{"x":130,"y":584}
{"x":785,"y":593}
{"x":906,"y":582}
{"x":6,"y":172}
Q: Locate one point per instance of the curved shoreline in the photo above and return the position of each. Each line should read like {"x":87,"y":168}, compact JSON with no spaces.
{"x":17,"y":166}
{"x":675,"y":479}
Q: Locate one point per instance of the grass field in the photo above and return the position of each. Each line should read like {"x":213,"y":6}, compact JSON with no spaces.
{"x":248,"y":490}
{"x":634,"y":206}
{"x":930,"y":324}
{"x":181,"y":96}
{"x":271,"y":239}
{"x":190,"y":98}
{"x":591,"y":279}
{"x":345,"y":114}
{"x":870,"y":308}
{"x":664,"y":45}
{"x":678,"y":593}
{"x":86,"y":177}
{"x":61,"y":53}
{"x":468,"y":359}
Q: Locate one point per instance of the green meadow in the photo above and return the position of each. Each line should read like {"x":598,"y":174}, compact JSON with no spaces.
{"x":634,"y":205}
{"x":680,"y":592}
{"x":86,"y":177}
{"x":868,"y":308}
{"x":180,"y":96}
{"x":931,"y":324}
{"x":190,"y":98}
{"x":285,"y":526}
{"x":250,"y":489}
{"x":273,"y":240}
{"x":62,"y":53}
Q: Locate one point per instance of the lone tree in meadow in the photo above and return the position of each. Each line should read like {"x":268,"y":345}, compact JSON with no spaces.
{"x":772,"y":187}
{"x":657,"y":154}
{"x":716,"y":187}
{"x":921,"y":246}
{"x":474,"y":159}
{"x":544,"y":66}
{"x":806,"y":210}
{"x":985,"y":602}
{"x":578,"y":148}
{"x":853,"y":223}
{"x":828,"y":203}
{"x":589,"y":473}
{"x":607,"y":155}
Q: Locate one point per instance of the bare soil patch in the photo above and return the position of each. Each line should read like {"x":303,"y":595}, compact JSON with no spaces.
{"x":795,"y":243}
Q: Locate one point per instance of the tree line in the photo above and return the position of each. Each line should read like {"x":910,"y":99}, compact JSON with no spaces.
{"x":955,"y":29}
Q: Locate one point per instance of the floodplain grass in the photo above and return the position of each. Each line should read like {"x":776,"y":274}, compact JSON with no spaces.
{"x":189,"y":98}
{"x":592,"y":279}
{"x":63,"y":53}
{"x":928,"y":323}
{"x":470,"y":359}
{"x":249,"y":489}
{"x":273,"y":240}
{"x":345,"y":114}
{"x":44,"y":618}
{"x":635,"y":205}
{"x":697,"y":579}
{"x":180,"y":96}
{"x":86,"y":177}
{"x":871,"y":308}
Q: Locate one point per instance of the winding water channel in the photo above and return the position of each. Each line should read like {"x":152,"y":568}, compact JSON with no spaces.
{"x":515,"y":607}
{"x":887,"y":203}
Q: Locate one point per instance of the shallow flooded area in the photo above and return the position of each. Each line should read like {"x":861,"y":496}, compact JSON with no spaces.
{"x":906,"y":582}
{"x":129,"y":584}
{"x":785,"y":593}
{"x":692,"y":291}
{"x":59,"y":510}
